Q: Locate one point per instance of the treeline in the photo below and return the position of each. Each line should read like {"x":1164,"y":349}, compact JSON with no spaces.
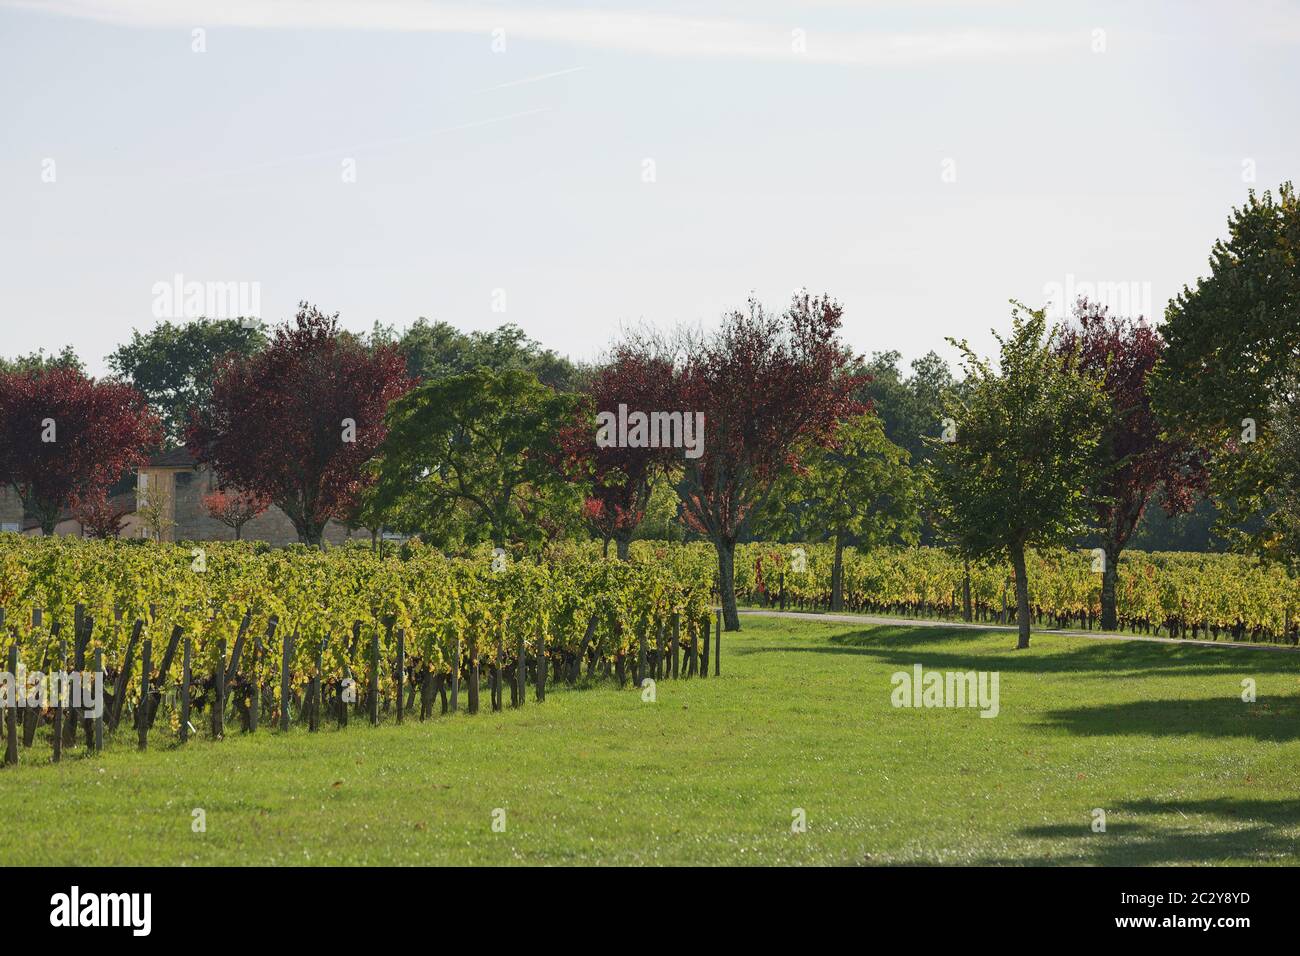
{"x":1070,"y":432}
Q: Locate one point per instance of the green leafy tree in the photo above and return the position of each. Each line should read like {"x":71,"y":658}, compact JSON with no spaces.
{"x":1024,"y":453}
{"x":173,"y":365}
{"x":910,"y":407}
{"x":861,"y":490}
{"x":475,"y":455}
{"x":437,"y":350}
{"x":1230,"y":375}
{"x":38,"y":361}
{"x":1232,"y":342}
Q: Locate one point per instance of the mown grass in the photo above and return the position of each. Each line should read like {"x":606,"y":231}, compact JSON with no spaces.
{"x":1156,"y":735}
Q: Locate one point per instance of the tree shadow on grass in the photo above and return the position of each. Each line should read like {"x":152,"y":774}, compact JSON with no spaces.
{"x":906,"y":646}
{"x":1213,"y":831}
{"x":1275,"y":719}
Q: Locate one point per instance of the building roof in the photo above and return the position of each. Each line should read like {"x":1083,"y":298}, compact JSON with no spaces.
{"x":175,"y":458}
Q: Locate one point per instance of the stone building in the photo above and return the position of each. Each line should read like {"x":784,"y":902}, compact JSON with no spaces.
{"x":184,"y":484}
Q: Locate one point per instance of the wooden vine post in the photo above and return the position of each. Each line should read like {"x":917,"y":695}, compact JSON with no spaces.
{"x":455,"y":675}
{"x":142,"y":709}
{"x":659,"y":650}
{"x":98,"y":717}
{"x":372,"y":693}
{"x":79,"y":664}
{"x":674,"y":644}
{"x":119,"y":691}
{"x":539,"y":672}
{"x":287,"y":651}
{"x":521,"y":669}
{"x":254,"y":691}
{"x":717,"y":650}
{"x":155,"y":697}
{"x":11,"y":708}
{"x":186,"y":660}
{"x":219,"y":709}
{"x":704,"y":657}
{"x":58,"y":701}
{"x":473,"y":677}
{"x":401,"y":668}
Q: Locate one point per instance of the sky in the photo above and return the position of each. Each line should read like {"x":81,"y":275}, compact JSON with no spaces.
{"x":577,"y":168}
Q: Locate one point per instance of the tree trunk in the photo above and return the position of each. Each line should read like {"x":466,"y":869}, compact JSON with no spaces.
{"x":1022,"y":594}
{"x":309,"y":532}
{"x":1109,"y":583}
{"x":726,"y":549}
{"x":624,"y":546}
{"x":837,"y":574}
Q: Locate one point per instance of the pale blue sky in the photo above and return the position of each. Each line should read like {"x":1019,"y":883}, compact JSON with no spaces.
{"x":522,"y":170}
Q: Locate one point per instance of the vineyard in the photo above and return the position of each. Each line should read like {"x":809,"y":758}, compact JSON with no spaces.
{"x":1173,"y":594}
{"x":185,"y":640}
{"x":192,"y":641}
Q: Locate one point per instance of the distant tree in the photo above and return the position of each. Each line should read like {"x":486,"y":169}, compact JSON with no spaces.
{"x":858,"y":490}
{"x":99,"y":517}
{"x":1120,"y":353}
{"x":478,"y":448}
{"x":173,"y":365}
{"x":910,"y":407}
{"x":298,"y":422}
{"x":618,"y":476}
{"x":38,"y":361}
{"x":1024,"y":456}
{"x":769,"y":386}
{"x":234,"y":508}
{"x":439,"y":350}
{"x":65,"y":438}
{"x":662,"y":520}
{"x":154,"y":509}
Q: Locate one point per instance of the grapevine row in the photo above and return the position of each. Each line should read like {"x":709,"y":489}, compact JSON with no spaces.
{"x":299,"y":634}
{"x":1175,"y":594}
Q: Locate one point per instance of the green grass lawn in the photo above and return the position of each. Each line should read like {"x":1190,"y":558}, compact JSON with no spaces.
{"x":1156,"y":735}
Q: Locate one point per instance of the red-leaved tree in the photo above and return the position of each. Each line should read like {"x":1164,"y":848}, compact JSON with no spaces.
{"x":234,"y":508}
{"x":297,"y":423}
{"x":639,"y":377}
{"x":99,"y":517}
{"x":768,"y":385}
{"x":64,"y":438}
{"x":1121,"y":352}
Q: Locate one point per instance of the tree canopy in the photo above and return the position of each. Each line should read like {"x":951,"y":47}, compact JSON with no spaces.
{"x":297,"y":422}
{"x":473,"y":456}
{"x":1019,"y":470}
{"x":173,"y":365}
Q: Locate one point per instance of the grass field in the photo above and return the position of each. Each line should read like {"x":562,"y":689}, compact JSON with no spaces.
{"x":1156,"y":735}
